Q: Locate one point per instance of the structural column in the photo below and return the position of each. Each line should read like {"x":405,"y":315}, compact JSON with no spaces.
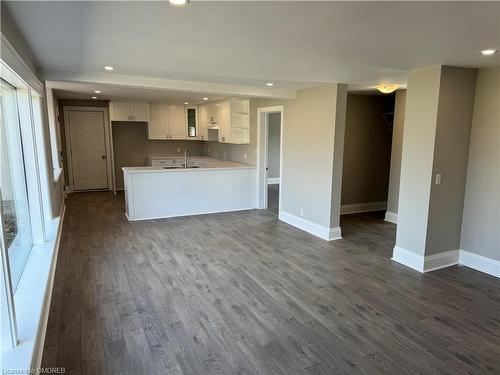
{"x":434,"y":158}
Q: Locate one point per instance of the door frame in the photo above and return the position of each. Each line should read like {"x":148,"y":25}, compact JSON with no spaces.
{"x":262,"y":142}
{"x":107,"y":143}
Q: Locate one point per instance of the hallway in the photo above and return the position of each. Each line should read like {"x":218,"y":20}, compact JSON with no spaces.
{"x":243,"y":293}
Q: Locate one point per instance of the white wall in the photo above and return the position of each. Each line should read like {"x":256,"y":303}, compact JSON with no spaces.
{"x":481,"y":215}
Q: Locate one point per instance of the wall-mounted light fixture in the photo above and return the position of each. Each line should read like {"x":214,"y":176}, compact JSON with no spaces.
{"x":387,"y":88}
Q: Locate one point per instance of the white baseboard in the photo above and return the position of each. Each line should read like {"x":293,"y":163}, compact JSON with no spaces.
{"x":408,"y":258}
{"x":362,"y":207}
{"x":480,"y":263}
{"x":325,"y":233}
{"x":441,"y":260}
{"x":446,"y":259}
{"x":273,"y":180}
{"x":425,"y":264}
{"x":391,"y":217}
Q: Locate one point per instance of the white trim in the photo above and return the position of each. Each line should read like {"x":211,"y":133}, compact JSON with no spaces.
{"x":408,"y":258}
{"x":262,"y":129}
{"x":273,"y":180}
{"x":446,"y":259}
{"x":32,"y":299}
{"x":362,"y":207}
{"x":42,"y":328}
{"x":107,"y":141}
{"x":480,"y":263}
{"x":441,"y":260}
{"x":391,"y":217}
{"x":325,"y":233}
{"x":21,"y":69}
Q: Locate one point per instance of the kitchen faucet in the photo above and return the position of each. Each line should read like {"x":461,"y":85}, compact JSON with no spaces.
{"x":187,"y":155}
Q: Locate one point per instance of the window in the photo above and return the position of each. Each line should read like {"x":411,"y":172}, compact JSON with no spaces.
{"x":16,"y":222}
{"x":191,"y":122}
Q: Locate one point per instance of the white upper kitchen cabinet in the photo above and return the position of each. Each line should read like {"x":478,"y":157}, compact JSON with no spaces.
{"x":121,"y":111}
{"x":232,"y":117}
{"x":223,"y":111}
{"x":158,"y":125}
{"x":176,"y":119}
{"x":239,"y":128}
{"x":140,"y":111}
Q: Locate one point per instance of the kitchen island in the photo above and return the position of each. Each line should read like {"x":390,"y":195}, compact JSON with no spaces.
{"x":207,"y":186}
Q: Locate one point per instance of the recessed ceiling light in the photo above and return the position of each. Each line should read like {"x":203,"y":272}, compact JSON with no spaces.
{"x":178,"y":2}
{"x":109,"y":68}
{"x":97,"y":91}
{"x":205,"y":98}
{"x":269,"y":84}
{"x":488,"y":52}
{"x":94,"y":97}
{"x":186,"y":103}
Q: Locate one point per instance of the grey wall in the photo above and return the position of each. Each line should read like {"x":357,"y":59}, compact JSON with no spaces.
{"x":131,"y":147}
{"x":435,"y":140}
{"x":273,"y":146}
{"x":451,"y":150}
{"x":367,"y":149}
{"x":481,"y":215}
{"x":308,"y":153}
{"x":417,"y":158}
{"x":396,"y":151}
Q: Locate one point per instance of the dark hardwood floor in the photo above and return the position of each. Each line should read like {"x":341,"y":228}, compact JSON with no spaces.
{"x":243,"y":293}
{"x":273,"y":193}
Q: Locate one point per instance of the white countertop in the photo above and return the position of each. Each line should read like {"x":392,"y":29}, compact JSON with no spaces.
{"x":207,"y":163}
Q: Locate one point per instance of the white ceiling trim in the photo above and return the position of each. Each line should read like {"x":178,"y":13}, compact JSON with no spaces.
{"x":167,"y":84}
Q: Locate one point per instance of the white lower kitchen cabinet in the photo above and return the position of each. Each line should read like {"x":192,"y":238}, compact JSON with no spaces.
{"x":152,"y":193}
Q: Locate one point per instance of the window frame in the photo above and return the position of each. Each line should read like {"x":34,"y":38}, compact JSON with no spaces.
{"x":34,"y":189}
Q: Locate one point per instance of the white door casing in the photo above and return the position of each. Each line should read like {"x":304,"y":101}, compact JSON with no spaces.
{"x":87,"y":140}
{"x":262,"y":140}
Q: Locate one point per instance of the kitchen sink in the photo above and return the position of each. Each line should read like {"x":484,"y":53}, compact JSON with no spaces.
{"x":181,"y":167}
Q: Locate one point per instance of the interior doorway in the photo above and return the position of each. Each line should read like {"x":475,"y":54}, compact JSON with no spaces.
{"x":269,"y":157}
{"x":370,"y":121}
{"x":87,"y":142}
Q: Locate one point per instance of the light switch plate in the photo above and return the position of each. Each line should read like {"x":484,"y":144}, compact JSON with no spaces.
{"x":438,"y":178}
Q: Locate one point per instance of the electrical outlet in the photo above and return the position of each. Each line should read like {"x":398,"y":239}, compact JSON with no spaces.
{"x":244,"y":156}
{"x":301,"y":212}
{"x":178,"y":149}
{"x":438,"y":178}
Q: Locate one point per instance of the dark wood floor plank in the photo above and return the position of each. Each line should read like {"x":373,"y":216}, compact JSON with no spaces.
{"x":243,"y":293}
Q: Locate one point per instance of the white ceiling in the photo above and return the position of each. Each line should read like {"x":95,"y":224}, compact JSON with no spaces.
{"x":294,"y":44}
